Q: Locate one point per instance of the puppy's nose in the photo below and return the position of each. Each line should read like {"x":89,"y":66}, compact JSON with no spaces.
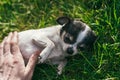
{"x":70,"y":50}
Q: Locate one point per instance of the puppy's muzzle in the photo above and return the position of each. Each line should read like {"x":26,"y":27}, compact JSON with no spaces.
{"x":70,"y":50}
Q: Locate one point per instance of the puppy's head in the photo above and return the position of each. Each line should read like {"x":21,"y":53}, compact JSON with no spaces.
{"x":77,"y":34}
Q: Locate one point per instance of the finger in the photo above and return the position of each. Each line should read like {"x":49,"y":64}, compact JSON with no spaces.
{"x":15,"y":49}
{"x":31,"y":63}
{"x":14,"y":44}
{"x":1,"y":58}
{"x":7,"y":43}
{"x":1,"y":52}
{"x":1,"y":46}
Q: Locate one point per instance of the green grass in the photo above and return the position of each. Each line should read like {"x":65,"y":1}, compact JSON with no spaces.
{"x":103,"y":16}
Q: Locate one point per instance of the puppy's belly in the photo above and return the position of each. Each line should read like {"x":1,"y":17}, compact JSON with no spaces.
{"x":27,"y":50}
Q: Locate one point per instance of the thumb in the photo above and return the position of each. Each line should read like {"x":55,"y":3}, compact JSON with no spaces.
{"x":31,"y":63}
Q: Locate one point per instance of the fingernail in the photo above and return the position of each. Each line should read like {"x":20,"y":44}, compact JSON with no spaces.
{"x":15,"y":32}
{"x":10,"y":33}
{"x":5,"y":38}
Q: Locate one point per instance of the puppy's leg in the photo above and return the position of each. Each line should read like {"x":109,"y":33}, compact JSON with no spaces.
{"x":61,"y":66}
{"x":48,"y":46}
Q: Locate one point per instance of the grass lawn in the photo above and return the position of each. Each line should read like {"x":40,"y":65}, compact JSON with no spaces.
{"x":103,"y":16}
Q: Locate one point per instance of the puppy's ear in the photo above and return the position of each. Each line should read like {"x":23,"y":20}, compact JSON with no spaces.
{"x":63,"y":20}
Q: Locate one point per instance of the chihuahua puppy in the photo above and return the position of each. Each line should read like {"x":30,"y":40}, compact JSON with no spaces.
{"x":57,"y":42}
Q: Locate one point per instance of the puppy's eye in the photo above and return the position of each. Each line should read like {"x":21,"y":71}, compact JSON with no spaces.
{"x":67,"y":38}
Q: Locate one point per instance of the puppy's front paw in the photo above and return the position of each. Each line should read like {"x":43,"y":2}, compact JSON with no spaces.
{"x":59,"y":71}
{"x":41,"y":60}
{"x":38,"y":62}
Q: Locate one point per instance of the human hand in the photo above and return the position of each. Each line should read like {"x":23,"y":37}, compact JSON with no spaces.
{"x":12,"y":66}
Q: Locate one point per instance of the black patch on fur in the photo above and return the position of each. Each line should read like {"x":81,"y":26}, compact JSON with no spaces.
{"x":72,"y":28}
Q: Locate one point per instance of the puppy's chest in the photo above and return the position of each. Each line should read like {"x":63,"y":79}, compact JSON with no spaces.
{"x":57,"y":54}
